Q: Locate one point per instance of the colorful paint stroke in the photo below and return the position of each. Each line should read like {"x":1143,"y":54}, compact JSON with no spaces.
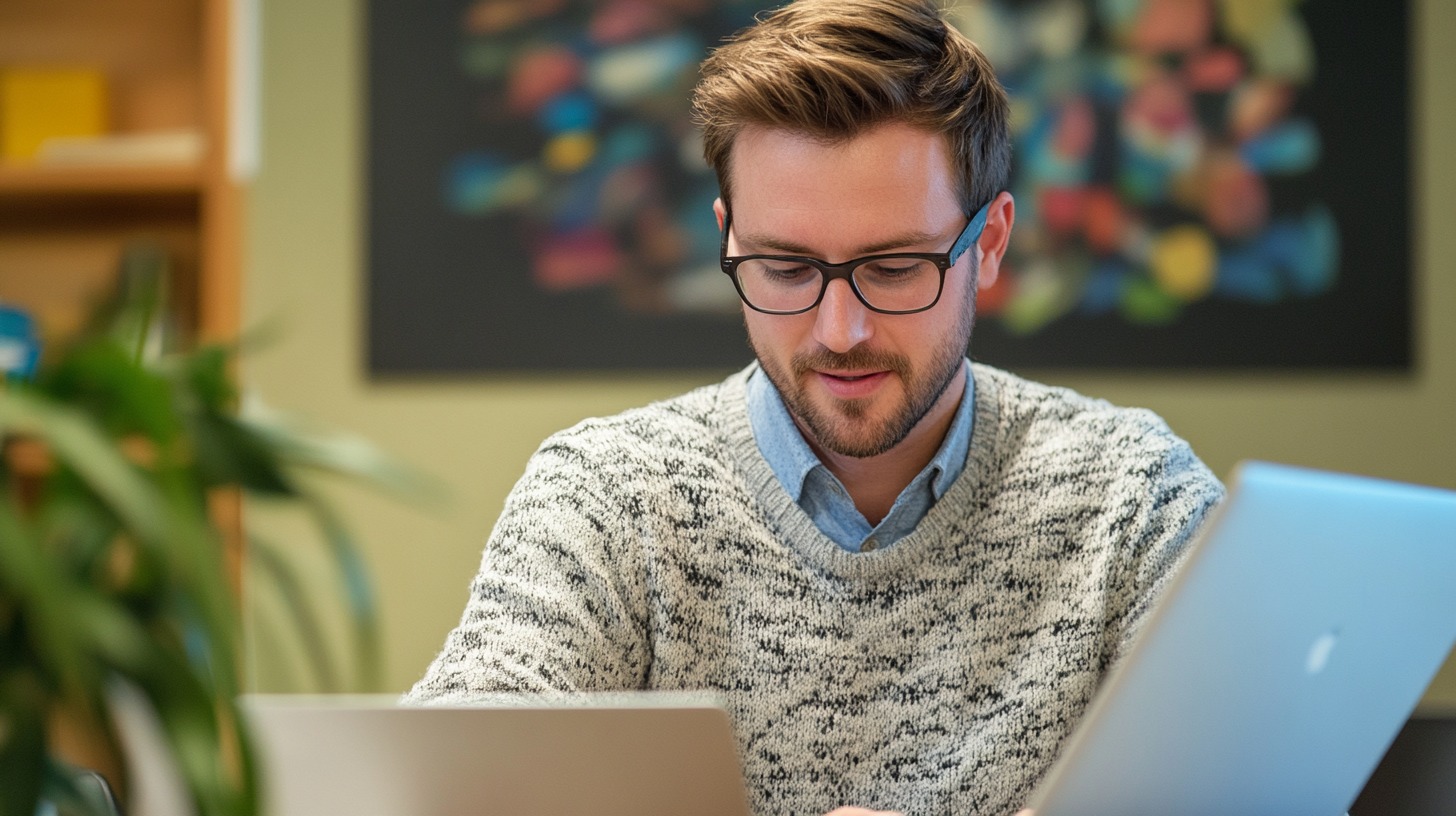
{"x":1149,"y":135}
{"x":586,"y":140}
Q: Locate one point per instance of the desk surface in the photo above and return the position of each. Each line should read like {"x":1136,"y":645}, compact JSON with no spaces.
{"x":1417,"y":777}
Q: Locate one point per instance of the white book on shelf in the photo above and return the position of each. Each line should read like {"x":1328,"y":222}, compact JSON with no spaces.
{"x":171,"y":147}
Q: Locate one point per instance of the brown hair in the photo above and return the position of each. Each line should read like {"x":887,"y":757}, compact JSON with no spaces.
{"x":833,"y":69}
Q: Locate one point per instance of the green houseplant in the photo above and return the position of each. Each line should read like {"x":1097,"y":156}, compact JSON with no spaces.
{"x":113,"y":573}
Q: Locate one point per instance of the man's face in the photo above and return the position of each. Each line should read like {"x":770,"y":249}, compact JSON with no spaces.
{"x":856,"y":381}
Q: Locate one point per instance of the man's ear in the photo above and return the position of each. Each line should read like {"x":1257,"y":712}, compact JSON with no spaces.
{"x":995,"y":238}
{"x":720,"y":211}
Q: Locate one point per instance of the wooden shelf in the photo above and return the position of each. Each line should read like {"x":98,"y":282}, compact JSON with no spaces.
{"x":99,"y":180}
{"x":168,"y":68}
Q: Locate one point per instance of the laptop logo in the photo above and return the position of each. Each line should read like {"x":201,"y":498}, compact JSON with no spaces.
{"x":1319,"y":652}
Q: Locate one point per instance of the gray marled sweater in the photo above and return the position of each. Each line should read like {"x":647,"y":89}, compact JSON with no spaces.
{"x":656,"y":550}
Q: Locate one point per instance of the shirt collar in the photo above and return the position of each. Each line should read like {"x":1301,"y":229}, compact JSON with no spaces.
{"x":950,"y":459}
{"x":779,"y":440}
{"x":792,"y":460}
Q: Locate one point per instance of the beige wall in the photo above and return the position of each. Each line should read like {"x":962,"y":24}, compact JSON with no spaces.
{"x":305,"y":273}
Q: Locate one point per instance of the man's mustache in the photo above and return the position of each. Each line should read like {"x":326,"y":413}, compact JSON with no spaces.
{"x":856,"y":359}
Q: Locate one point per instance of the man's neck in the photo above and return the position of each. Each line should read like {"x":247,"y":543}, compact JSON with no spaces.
{"x":874,"y":482}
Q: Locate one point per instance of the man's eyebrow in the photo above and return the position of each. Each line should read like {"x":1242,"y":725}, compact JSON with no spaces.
{"x":762,"y":242}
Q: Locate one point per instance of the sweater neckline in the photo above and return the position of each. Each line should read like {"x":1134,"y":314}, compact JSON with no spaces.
{"x":930,"y":539}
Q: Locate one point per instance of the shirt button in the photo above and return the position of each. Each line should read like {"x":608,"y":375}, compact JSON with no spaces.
{"x":870,"y":545}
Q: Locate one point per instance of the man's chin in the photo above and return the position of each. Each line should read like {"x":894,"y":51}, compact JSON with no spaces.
{"x":855,"y":446}
{"x":848,"y":428}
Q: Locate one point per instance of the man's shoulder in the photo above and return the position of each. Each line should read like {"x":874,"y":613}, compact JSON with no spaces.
{"x":1048,"y":427}
{"x":691,"y":421}
{"x":1027,"y":405}
{"x":1071,"y":456}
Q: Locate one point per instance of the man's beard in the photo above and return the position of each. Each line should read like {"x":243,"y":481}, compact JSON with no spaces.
{"x":841,"y":429}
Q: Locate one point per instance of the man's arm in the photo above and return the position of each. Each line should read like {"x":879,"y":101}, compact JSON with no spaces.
{"x":1180,"y":492}
{"x":557,"y":604}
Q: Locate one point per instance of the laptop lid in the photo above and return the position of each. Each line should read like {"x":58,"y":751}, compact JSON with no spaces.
{"x":1283,"y":658}
{"x":621,"y":755}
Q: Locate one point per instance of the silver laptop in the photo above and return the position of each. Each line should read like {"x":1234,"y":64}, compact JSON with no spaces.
{"x":618,"y":755}
{"x":1282,"y":660}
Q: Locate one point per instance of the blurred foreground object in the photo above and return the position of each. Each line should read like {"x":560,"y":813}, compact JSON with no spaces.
{"x":115,"y":581}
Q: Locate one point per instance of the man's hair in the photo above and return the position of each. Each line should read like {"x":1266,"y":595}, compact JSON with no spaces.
{"x":833,"y":69}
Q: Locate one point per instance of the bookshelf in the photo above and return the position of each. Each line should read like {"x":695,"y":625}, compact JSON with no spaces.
{"x":168,"y":68}
{"x":166,"y":65}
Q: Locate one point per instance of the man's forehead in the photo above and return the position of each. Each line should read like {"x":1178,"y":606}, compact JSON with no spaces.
{"x":891,"y":160}
{"x":887,"y":189}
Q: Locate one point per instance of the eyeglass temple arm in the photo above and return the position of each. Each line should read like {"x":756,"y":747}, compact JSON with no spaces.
{"x":971,"y":234}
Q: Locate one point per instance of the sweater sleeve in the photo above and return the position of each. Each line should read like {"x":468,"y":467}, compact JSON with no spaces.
{"x":550,"y":610}
{"x":1178,"y":492}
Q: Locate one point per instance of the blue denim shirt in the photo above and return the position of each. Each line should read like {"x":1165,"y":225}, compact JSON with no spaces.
{"x":821,"y":494}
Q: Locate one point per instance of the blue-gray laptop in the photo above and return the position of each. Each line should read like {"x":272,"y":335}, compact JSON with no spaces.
{"x":1282,"y":660}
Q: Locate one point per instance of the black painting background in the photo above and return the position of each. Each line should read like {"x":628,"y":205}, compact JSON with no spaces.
{"x":451,"y":294}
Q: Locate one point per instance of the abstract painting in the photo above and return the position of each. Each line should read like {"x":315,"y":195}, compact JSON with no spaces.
{"x":1199,"y":183}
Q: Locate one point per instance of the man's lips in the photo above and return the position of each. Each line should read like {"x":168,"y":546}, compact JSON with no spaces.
{"x":852,"y":384}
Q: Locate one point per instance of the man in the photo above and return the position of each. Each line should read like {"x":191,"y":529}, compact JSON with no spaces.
{"x":904,"y":574}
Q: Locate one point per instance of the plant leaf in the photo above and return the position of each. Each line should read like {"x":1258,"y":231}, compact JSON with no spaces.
{"x":132,"y":314}
{"x":187,"y":707}
{"x":123,"y":397}
{"x":337,"y":453}
{"x":316,"y":645}
{"x":231,"y":453}
{"x":358,"y":591}
{"x":22,"y":743}
{"x":202,"y":597}
{"x":44,"y":593}
{"x":77,"y":442}
{"x":206,"y":375}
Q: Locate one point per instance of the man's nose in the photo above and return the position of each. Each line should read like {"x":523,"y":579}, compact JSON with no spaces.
{"x":841,"y":321}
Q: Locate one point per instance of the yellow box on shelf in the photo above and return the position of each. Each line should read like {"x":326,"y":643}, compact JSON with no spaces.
{"x":38,"y":104}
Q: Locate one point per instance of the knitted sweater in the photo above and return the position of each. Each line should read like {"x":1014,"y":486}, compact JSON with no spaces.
{"x":656,"y":550}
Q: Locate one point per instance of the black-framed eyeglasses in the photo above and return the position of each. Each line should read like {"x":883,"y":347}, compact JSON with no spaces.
{"x":896,"y":283}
